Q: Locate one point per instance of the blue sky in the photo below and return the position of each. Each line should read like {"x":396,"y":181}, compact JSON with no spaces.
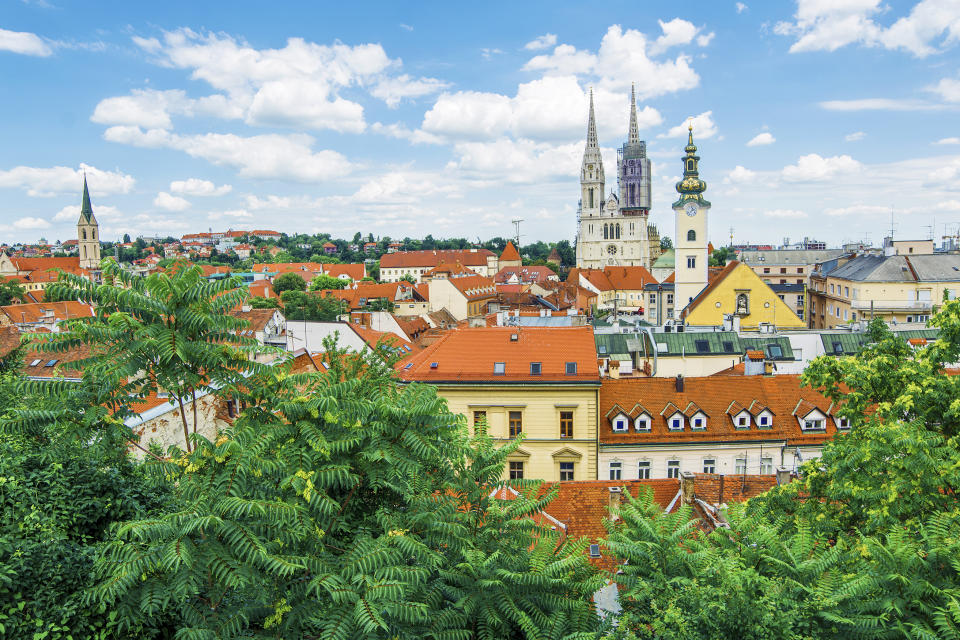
{"x":815,"y":118}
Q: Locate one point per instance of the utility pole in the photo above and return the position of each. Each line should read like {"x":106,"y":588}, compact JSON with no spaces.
{"x":516,"y":231}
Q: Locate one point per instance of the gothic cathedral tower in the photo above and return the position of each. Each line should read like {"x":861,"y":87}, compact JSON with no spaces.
{"x":591,"y":185}
{"x":690,"y":214}
{"x":88,"y":240}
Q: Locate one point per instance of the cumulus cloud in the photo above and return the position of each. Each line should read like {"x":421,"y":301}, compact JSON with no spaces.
{"x":879,"y":104}
{"x":761,"y":139}
{"x":289,"y":157}
{"x":488,"y":53}
{"x":71,"y":213}
{"x":948,"y":89}
{"x":24,"y":43}
{"x":30,"y":223}
{"x":740,"y":7}
{"x":198,"y":187}
{"x":49,"y":181}
{"x":170,"y":202}
{"x":855,"y":136}
{"x":739,"y":175}
{"x":952,"y":140}
{"x":785,"y":213}
{"x":545,"y":41}
{"x":153,"y":109}
{"x":233,"y":213}
{"x":813,"y":167}
{"x":931,"y":26}
{"x":703,"y":127}
{"x":516,"y":161}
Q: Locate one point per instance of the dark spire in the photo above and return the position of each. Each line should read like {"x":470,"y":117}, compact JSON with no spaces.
{"x":86,"y":209}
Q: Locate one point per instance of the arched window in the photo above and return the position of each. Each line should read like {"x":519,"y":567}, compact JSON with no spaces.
{"x":691,"y":236}
{"x":84,"y":252}
{"x":605,"y":233}
{"x":618,"y":231}
{"x":93,"y":234}
{"x":591,"y":198}
{"x":84,"y":234}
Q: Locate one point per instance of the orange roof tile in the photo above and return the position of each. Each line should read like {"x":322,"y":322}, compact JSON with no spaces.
{"x":431,"y":258}
{"x":470,"y":355}
{"x":510,"y":253}
{"x":47,"y":311}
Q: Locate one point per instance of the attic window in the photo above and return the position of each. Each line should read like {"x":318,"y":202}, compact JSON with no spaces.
{"x":814,"y":424}
{"x":571,"y":368}
{"x":642,"y":424}
{"x":728,"y":346}
{"x":408,"y":365}
{"x":698,"y":423}
{"x":763,"y":421}
{"x":51,"y":363}
{"x":676,"y":424}
{"x":703,"y":346}
{"x":514,"y":337}
{"x":774,"y":351}
{"x":620,"y":423}
{"x":434,"y":365}
{"x":837,"y":347}
{"x":499,"y":368}
{"x":535,"y":368}
{"x":743,"y":422}
{"x":36,"y":362}
{"x":602,"y":348}
{"x":594,"y":551}
{"x":843,"y":423}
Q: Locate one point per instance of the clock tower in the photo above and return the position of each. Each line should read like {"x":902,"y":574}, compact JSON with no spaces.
{"x":690,"y":241}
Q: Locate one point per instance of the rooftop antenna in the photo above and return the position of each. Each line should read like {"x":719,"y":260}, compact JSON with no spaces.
{"x":516,"y":231}
{"x":731,"y":236}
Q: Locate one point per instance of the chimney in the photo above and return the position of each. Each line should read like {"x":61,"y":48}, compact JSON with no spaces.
{"x":686,"y":487}
{"x":613,"y":503}
{"x":246,"y":307}
{"x":679,"y":383}
{"x":783,"y":476}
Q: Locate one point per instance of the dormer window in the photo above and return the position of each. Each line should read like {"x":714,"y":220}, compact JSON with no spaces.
{"x":699,"y":421}
{"x":621,"y":423}
{"x":571,"y":368}
{"x":763,"y":421}
{"x":642,"y":423}
{"x":842,"y":423}
{"x":676,"y":423}
{"x":743,"y":421}
{"x":814,"y":424}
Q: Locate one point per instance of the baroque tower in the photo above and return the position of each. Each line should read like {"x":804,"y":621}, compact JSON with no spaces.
{"x":88,"y":236}
{"x":613,"y":230}
{"x":690,"y":216}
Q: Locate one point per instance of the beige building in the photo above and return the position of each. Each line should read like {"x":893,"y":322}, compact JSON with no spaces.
{"x":464,"y":297}
{"x":898,"y":288}
{"x":393,"y":266}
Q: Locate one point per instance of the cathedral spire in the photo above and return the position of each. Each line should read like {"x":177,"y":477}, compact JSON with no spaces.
{"x":592,"y":127}
{"x":86,"y":209}
{"x":691,"y":187}
{"x":634,"y":136}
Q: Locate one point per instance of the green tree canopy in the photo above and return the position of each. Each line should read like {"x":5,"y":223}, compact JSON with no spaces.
{"x":322,"y":281}
{"x":289,"y":282}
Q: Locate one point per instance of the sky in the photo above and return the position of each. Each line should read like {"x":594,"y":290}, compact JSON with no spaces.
{"x":831,"y":119}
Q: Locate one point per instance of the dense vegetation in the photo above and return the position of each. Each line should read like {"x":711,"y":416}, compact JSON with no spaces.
{"x":341,"y":505}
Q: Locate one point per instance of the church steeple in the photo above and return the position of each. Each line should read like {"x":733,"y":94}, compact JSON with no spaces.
{"x":592,"y":127}
{"x":633,"y":137}
{"x":88,"y":232}
{"x":591,"y":170}
{"x":86,"y":209}
{"x":691,"y":187}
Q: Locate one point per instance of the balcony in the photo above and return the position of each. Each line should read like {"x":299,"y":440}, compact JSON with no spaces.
{"x":891,"y":305}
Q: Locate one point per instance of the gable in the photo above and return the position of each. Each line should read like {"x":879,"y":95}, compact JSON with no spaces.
{"x":764,"y":305}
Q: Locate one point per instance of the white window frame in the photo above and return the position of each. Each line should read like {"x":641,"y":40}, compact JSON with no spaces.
{"x":842,"y":423}
{"x":645,"y":419}
{"x":702,"y":418}
{"x":673,"y":468}
{"x":645,"y":466}
{"x":674,"y":418}
{"x":742,"y":420}
{"x":766,"y":465}
{"x":621,"y":424}
{"x":740,"y":466}
{"x":712,"y":466}
{"x":616,"y":466}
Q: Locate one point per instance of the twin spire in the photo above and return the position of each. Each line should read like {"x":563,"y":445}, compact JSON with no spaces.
{"x":633,"y":136}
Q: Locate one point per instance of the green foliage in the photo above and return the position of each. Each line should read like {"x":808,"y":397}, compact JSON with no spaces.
{"x":289,"y":282}
{"x":666,"y":243}
{"x":341,"y":506}
{"x":259,"y":302}
{"x":311,"y":307}
{"x":323,"y":281}
{"x":11,"y":292}
{"x":722,"y":256}
{"x":381,"y":304}
{"x":408,"y":278}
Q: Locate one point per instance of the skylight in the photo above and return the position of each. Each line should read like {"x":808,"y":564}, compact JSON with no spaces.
{"x":703,"y":346}
{"x":774,"y":351}
{"x":499,"y":368}
{"x":571,"y":368}
{"x":535,"y":368}
{"x":36,"y":362}
{"x":51,"y":363}
{"x":602,"y":348}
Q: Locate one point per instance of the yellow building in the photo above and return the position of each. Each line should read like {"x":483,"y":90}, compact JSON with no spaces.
{"x":738,"y":291}
{"x":541,"y":382}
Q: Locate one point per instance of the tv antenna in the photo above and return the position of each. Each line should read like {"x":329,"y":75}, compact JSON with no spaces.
{"x":516,"y":231}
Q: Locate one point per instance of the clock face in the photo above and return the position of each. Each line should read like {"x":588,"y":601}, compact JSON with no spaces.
{"x":691,"y":209}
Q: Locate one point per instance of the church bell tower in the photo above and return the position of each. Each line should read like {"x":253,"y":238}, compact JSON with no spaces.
{"x":690,"y":243}
{"x":88,"y":233}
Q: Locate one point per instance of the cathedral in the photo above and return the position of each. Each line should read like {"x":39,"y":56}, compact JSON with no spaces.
{"x":613,"y":230}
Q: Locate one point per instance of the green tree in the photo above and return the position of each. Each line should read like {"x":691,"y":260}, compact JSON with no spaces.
{"x":289,"y":282}
{"x":126,"y":238}
{"x":722,"y":256}
{"x":666,"y":243}
{"x":567,"y":254}
{"x":342,"y":506}
{"x":322,"y":281}
{"x":311,"y":306}
{"x":381,"y":304}
{"x":408,"y":278}
{"x":11,"y":292}
{"x":259,"y":302}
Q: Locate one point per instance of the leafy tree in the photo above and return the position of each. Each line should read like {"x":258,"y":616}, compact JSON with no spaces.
{"x":11,"y":292}
{"x":323,"y":281}
{"x":342,"y":506}
{"x":381,"y":304}
{"x":666,"y":243}
{"x":311,"y":306}
{"x":408,"y":278}
{"x":259,"y":302}
{"x":289,"y":282}
{"x":126,"y":238}
{"x":722,"y":256}
{"x":567,"y":254}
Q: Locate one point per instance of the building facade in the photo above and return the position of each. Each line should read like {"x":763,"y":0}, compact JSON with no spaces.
{"x":614,"y":229}
{"x":690,"y":239}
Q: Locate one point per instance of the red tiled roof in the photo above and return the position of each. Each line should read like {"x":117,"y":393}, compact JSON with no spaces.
{"x":432,"y":258}
{"x":261,"y":289}
{"x":616,"y":278}
{"x":35,"y":363}
{"x":47,"y":311}
{"x":510,"y":253}
{"x":42,"y":264}
{"x":355,"y":272}
{"x":475,"y":287}
{"x":9,"y":339}
{"x":258,"y":318}
{"x":754,"y":354}
{"x":715,"y":395}
{"x":470,"y":355}
{"x":455,"y":269}
{"x":525,"y":274}
{"x":372,"y":337}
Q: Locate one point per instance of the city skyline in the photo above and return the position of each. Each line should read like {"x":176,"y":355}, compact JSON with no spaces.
{"x":427,"y":120}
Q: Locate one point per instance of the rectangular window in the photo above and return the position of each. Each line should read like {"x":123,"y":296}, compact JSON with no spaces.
{"x":813,"y":424}
{"x":571,"y":368}
{"x":644,"y":470}
{"x":691,"y":262}
{"x":699,"y":423}
{"x":766,"y":269}
{"x":766,"y":466}
{"x":702,"y":346}
{"x":843,"y":423}
{"x":764,"y":422}
{"x":709,"y":465}
{"x":566,"y":424}
{"x":669,"y":298}
{"x":846,"y":292}
{"x":479,"y":418}
{"x":516,"y":470}
{"x":566,"y":471}
{"x":743,"y":422}
{"x":516,"y":423}
{"x":740,"y":466}
{"x":783,"y":269}
{"x":653,"y":298}
{"x":499,"y":368}
{"x":774,"y":351}
{"x":642,"y":424}
{"x":673,"y":469}
{"x":831,"y":288}
{"x":616,"y":470}
{"x":676,"y":424}
{"x":535,"y":368}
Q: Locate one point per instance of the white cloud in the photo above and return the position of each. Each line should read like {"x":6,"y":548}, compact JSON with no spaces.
{"x":401,"y":132}
{"x":24,"y":43}
{"x":948,"y":89}
{"x":953,"y":140}
{"x":705,"y":39}
{"x":393,"y":90}
{"x":488,"y":53}
{"x":543,"y":42}
{"x":855,"y":136}
{"x":232,"y":214}
{"x":263,"y":156}
{"x":516,"y":161}
{"x":703,"y":127}
{"x":30,"y":223}
{"x":858,"y":209}
{"x":71,"y":213}
{"x":740,"y":7}
{"x":676,"y":32}
{"x":48,"y":181}
{"x":879,"y":104}
{"x":406,"y":27}
{"x":152,"y":109}
{"x":785,"y":213}
{"x":198,"y":187}
{"x":170,"y":203}
{"x":740,"y":175}
{"x":761,"y":139}
{"x":813,"y":167}
{"x":827,"y":25}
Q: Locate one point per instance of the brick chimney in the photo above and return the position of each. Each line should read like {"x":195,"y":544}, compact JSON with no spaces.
{"x":783,"y":476}
{"x":687,"y":487}
{"x":613,"y":503}
{"x":679,"y":383}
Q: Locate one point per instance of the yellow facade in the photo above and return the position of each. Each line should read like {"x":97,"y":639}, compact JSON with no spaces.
{"x":838,"y":301}
{"x":540,"y":409}
{"x":742,"y":293}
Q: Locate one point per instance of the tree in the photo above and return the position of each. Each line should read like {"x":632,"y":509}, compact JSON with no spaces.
{"x":126,"y":238}
{"x":259,"y":302}
{"x":11,"y":292}
{"x":312,"y":306}
{"x":722,"y":256}
{"x":322,"y":281}
{"x":408,"y":278}
{"x":170,"y":331}
{"x":567,"y":254}
{"x":342,"y":506}
{"x":289,"y":282}
{"x":666,"y":243}
{"x":381,"y":304}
